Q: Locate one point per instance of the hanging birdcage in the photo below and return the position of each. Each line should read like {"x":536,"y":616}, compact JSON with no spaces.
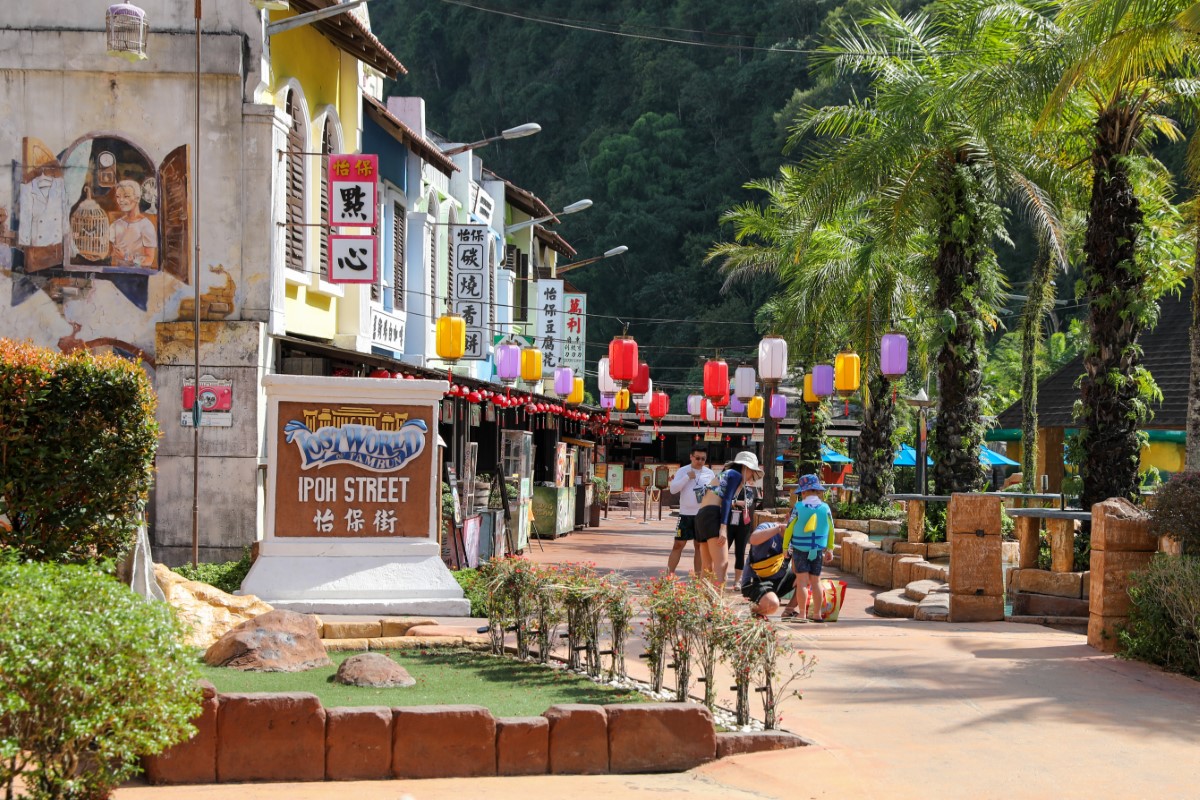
{"x":89,"y":229}
{"x":125,"y":25}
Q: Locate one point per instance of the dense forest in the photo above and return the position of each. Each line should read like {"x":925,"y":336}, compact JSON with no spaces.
{"x":658,"y":112}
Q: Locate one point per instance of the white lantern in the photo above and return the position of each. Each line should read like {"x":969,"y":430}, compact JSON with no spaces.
{"x":695,"y":404}
{"x":744,"y":381}
{"x":607,"y":384}
{"x":711,"y":414}
{"x":125,"y":28}
{"x":642,"y":401}
{"x":772,"y":360}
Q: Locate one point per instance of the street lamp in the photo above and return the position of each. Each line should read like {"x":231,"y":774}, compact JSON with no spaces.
{"x":921,"y":402}
{"x":616,"y":251}
{"x":578,"y":205}
{"x":528,"y":129}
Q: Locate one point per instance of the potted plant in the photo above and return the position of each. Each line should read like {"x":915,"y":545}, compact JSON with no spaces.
{"x":599,"y":499}
{"x":1173,"y":511}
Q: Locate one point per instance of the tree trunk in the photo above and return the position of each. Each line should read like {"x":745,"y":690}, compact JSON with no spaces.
{"x":958,"y":433}
{"x":1031,"y":339}
{"x":1111,"y":407}
{"x":810,"y":432}
{"x":876,"y":449}
{"x":770,"y":450}
{"x":1193,"y":408}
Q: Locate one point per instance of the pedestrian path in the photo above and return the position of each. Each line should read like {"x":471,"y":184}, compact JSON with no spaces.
{"x":896,"y":709}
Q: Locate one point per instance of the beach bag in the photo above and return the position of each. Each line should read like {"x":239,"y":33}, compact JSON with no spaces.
{"x":833,"y":594}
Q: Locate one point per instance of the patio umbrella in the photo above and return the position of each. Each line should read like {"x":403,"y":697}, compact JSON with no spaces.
{"x":831,"y":456}
{"x":907,"y":457}
{"x":990,"y":458}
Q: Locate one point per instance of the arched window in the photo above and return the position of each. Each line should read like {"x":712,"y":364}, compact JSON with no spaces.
{"x":293,"y":247}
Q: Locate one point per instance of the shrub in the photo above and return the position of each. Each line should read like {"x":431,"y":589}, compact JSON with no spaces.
{"x":77,"y":442}
{"x":1174,"y":511}
{"x":1164,"y":618}
{"x":474,"y":590}
{"x":867,"y":511}
{"x":227,"y":576}
{"x":91,"y":677}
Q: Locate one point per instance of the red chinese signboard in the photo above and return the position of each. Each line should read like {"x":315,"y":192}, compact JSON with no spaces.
{"x":353,"y":190}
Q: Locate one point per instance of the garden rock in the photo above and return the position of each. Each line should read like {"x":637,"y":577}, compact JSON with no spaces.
{"x":208,"y":612}
{"x":278,"y":641}
{"x":374,"y":670}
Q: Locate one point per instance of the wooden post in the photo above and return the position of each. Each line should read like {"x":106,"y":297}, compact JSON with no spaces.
{"x":916,"y":521}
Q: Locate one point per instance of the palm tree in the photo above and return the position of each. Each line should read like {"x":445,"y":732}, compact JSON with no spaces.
{"x":1115,"y":68}
{"x":935,"y":154}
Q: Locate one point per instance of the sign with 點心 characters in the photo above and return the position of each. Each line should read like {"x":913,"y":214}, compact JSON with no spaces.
{"x":353,"y":471}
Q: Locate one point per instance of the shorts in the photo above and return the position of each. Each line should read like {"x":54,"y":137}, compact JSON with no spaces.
{"x":801,"y":563}
{"x":685,"y":529}
{"x":783,"y":582}
{"x":708,"y":523}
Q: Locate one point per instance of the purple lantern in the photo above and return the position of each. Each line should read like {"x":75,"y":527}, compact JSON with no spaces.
{"x":608,"y":401}
{"x":778,"y":406}
{"x":564,"y":381}
{"x":822,"y":380}
{"x":893,"y":355}
{"x":736,"y":406}
{"x":508,"y":362}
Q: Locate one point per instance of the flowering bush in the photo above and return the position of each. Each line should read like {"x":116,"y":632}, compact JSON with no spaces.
{"x":618,"y":607}
{"x":1176,"y":510}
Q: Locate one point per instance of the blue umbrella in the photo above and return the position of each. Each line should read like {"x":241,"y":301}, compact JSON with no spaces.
{"x":831,"y":456}
{"x":907,"y":457}
{"x":990,"y":458}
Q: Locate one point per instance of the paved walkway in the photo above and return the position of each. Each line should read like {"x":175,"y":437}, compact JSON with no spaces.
{"x":896,"y":708}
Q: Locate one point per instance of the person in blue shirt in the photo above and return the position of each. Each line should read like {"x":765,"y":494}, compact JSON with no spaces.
{"x":767,"y":576}
{"x":717,"y":510}
{"x":811,"y":543}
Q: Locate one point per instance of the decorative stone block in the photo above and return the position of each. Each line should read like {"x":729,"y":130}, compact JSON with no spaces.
{"x":969,"y":513}
{"x":1172,"y":547}
{"x":358,"y":743}
{"x":270,"y":737}
{"x":1028,"y":531}
{"x":1111,"y":570}
{"x":902,"y":568}
{"x":1044,"y":605}
{"x":877,"y":568}
{"x":344,"y":645}
{"x":351,"y":630}
{"x":1011,"y":580}
{"x":924,"y":571}
{"x":860,"y":525}
{"x":1118,"y":524}
{"x":522,"y":745}
{"x":414,"y":642}
{"x":399,"y":627}
{"x":852,"y":556}
{"x":659,"y":737}
{"x":1061,"y":535}
{"x":1102,"y":632}
{"x":193,"y":761}
{"x":911,"y":548}
{"x":971,"y":608}
{"x":578,"y":739}
{"x":884,"y":527}
{"x":1086,"y":585}
{"x":733,"y":743}
{"x":915,"y":511}
{"x":1059,"y":584}
{"x":975,"y":567}
{"x":453,"y":741}
{"x":937,"y":550}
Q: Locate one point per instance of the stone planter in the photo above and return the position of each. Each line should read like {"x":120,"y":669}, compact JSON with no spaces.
{"x":860,"y":525}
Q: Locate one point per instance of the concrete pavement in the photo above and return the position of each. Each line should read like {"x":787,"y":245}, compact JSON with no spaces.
{"x":896,"y":708}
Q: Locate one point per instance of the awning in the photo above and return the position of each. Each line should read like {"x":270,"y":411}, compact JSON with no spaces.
{"x":576,"y":442}
{"x":348,"y":33}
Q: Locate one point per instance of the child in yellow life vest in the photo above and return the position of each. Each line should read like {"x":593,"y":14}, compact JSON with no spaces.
{"x":810,"y":536}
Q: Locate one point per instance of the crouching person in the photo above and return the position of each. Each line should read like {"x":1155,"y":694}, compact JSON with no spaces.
{"x":767,"y":576}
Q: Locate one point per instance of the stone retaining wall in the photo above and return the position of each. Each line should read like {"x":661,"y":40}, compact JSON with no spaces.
{"x":289,"y":736}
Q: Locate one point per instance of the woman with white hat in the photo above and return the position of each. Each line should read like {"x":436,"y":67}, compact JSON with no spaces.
{"x":717,"y":510}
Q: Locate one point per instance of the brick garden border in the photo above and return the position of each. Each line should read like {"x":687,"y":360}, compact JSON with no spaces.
{"x":290,"y":736}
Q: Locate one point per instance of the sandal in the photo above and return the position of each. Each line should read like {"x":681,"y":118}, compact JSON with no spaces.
{"x":792,"y":615}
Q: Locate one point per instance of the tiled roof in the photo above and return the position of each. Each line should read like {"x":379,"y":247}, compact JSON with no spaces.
{"x":406,"y":135}
{"x":349,"y":33}
{"x":1165,"y":353}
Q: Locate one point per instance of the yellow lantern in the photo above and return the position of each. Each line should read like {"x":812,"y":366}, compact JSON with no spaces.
{"x":576,"y":395}
{"x":846,"y":372}
{"x":754,"y":408}
{"x":451,"y":337}
{"x":809,"y":396}
{"x":531,"y":365}
{"x":621,"y":401}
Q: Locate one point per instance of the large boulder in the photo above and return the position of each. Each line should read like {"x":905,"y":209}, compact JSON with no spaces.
{"x":209,"y":612}
{"x":374,"y":670}
{"x":278,"y":641}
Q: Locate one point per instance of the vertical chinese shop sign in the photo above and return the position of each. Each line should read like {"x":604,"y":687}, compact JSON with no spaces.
{"x":353,"y":182}
{"x":353,"y":471}
{"x":471,"y":289}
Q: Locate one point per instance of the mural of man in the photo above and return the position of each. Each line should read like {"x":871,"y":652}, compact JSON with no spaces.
{"x":133,"y":237}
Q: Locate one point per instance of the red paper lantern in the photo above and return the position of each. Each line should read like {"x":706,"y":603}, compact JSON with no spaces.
{"x":720,"y":402}
{"x":474,"y":397}
{"x":716,"y":379}
{"x":380,"y":373}
{"x":641,"y":383}
{"x":623,"y":360}
{"x":660,"y":405}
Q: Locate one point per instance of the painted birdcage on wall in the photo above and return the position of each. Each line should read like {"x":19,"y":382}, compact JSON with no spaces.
{"x":125,"y":25}
{"x":89,"y":229}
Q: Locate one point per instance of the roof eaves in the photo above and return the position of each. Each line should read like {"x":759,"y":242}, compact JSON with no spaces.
{"x":407,"y":136}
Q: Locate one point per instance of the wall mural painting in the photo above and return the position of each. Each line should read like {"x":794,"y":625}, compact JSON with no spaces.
{"x":99,"y":210}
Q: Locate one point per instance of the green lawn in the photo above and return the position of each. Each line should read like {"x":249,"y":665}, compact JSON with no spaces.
{"x":507,"y":687}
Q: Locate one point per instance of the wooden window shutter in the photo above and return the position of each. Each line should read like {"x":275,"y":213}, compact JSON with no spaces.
{"x":175,"y":211}
{"x":326,"y":150}
{"x":293,"y":247}
{"x":399,"y":221}
{"x":432,"y":273}
{"x":522,"y":310}
{"x":491,"y":267}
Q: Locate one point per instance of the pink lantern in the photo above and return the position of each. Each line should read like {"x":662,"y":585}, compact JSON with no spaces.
{"x":822,"y":380}
{"x":564,"y":381}
{"x":608,"y":401}
{"x":736,"y":406}
{"x":778,"y":406}
{"x":695,"y":404}
{"x":508,"y":362}
{"x":893,"y":355}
